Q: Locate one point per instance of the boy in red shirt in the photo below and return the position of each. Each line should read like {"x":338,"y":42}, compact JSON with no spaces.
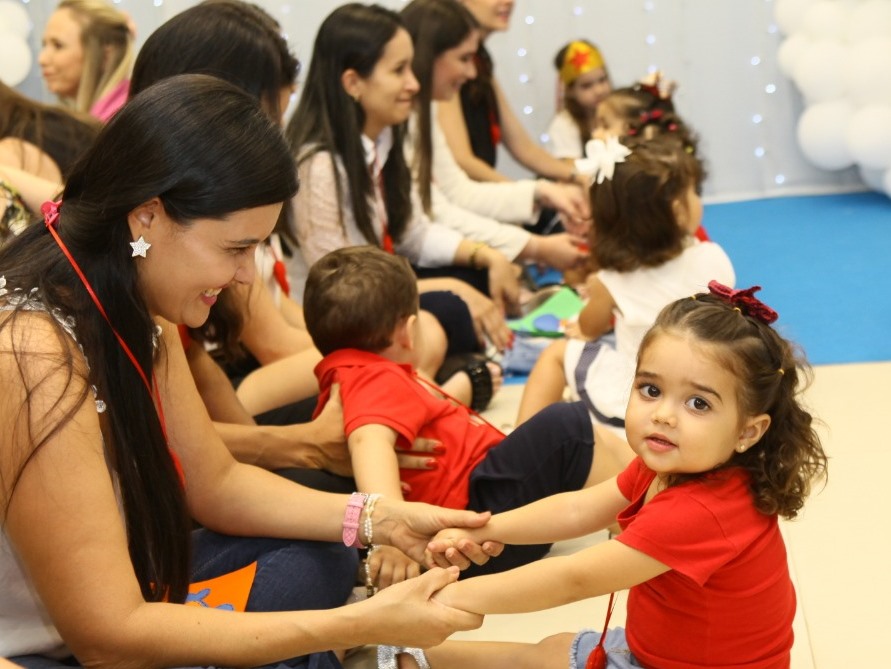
{"x":361,"y":308}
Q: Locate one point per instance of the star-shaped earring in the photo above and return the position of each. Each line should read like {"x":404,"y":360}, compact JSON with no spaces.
{"x":140,"y":246}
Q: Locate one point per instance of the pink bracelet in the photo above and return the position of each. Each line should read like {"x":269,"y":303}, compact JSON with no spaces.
{"x":351,"y":519}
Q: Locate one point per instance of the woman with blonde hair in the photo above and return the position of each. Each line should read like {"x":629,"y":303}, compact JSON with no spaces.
{"x":86,"y":56}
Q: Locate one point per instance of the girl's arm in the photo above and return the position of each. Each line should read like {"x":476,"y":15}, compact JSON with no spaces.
{"x":606,"y":567}
{"x":558,"y":517}
{"x":598,"y":570}
{"x":524,"y":149}
{"x":451,"y":119}
{"x":596,"y":316}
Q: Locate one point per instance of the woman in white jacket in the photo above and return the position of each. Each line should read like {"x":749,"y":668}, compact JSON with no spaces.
{"x":446,"y":37}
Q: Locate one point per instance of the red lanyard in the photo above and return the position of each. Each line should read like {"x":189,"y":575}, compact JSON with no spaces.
{"x":377,"y":176}
{"x":455,"y":400}
{"x":51,"y":216}
{"x":279,"y":271}
{"x":597,"y":658}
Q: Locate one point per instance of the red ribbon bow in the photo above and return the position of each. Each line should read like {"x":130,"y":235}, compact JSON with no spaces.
{"x":744,"y":299}
{"x":50,"y":212}
{"x":651,"y":116}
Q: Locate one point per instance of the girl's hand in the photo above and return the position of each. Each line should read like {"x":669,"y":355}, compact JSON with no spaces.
{"x":388,"y":565}
{"x":450,"y":543}
{"x":406,"y":615}
{"x":409,"y":526}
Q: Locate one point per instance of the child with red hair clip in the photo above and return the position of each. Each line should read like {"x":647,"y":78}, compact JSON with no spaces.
{"x":723,"y":449}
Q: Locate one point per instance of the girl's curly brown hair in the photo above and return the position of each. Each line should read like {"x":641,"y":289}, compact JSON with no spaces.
{"x":771,"y":374}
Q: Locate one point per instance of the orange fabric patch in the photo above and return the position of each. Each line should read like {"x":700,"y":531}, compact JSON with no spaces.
{"x":228,"y":592}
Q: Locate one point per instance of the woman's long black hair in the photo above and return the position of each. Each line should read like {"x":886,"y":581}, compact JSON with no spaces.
{"x":205,"y":149}
{"x":327,"y":119}
{"x":240,"y":43}
{"x":435,"y":26}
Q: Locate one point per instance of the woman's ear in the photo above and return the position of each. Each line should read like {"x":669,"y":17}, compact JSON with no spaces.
{"x":142,"y":218}
{"x":352,"y":83}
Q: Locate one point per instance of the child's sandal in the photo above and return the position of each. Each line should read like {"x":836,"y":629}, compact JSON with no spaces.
{"x":386,"y":656}
{"x":476,"y":366}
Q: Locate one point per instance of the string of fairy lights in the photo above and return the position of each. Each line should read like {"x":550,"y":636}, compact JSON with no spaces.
{"x":641,"y":37}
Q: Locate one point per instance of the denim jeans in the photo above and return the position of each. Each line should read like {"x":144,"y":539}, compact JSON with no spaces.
{"x":291,"y":576}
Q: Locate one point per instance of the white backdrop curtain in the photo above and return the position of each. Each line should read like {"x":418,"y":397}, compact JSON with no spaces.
{"x":723,"y":54}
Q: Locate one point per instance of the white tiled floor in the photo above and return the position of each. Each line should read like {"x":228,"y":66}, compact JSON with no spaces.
{"x":839,"y":550}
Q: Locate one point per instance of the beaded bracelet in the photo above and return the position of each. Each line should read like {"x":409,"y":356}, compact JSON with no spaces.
{"x":368,"y":524}
{"x":370,"y":588}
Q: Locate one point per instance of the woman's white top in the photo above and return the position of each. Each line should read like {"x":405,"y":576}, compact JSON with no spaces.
{"x":507,"y":201}
{"x":323,"y":222}
{"x":25,"y":626}
{"x":504,"y":237}
{"x":563,"y":137}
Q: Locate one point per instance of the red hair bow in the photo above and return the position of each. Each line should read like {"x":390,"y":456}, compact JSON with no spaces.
{"x":650,"y":116}
{"x":50,"y":211}
{"x":744,"y":299}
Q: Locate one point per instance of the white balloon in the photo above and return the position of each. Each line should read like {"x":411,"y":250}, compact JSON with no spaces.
{"x":869,"y":19}
{"x":826,"y":19}
{"x":874,"y":178}
{"x":868,"y":70}
{"x":789,"y":14}
{"x":821,"y":134}
{"x":868,"y":135}
{"x":886,"y":183}
{"x":790,"y":53}
{"x":14,"y":18}
{"x":820,"y":71}
{"x":15,"y":59}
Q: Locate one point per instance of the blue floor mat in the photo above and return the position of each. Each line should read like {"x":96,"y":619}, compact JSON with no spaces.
{"x":823,"y":263}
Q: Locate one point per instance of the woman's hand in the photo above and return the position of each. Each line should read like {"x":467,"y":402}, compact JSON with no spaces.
{"x":409,"y":525}
{"x":504,"y":284}
{"x":406,"y":615}
{"x":387,"y":565}
{"x":561,"y":251}
{"x":570,"y":199}
{"x":488,"y":319}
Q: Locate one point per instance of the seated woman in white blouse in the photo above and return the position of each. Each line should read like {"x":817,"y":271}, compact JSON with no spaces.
{"x":356,"y":187}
